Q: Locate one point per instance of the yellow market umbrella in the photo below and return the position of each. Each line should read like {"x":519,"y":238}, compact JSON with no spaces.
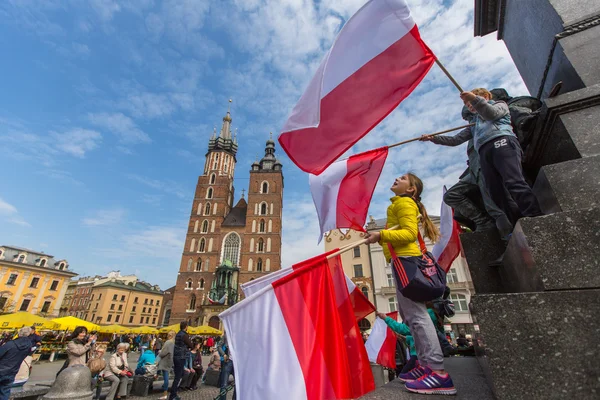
{"x":167,"y":329}
{"x":204,"y":330}
{"x":113,"y":329}
{"x":70,"y":323}
{"x":144,"y":330}
{"x":22,"y":318}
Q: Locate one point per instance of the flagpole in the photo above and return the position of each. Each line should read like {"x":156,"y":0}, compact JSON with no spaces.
{"x":431,"y":134}
{"x":355,"y":244}
{"x":460,"y":89}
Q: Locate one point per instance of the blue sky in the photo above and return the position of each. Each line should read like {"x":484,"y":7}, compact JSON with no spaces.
{"x":106,"y":108}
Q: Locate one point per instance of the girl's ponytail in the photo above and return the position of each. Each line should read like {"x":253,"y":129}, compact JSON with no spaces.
{"x":431,"y":231}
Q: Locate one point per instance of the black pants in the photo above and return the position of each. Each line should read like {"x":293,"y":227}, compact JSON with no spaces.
{"x":178,"y":369}
{"x":501,"y":167}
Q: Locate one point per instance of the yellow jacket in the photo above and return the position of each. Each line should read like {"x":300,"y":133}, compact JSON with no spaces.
{"x":403,"y":212}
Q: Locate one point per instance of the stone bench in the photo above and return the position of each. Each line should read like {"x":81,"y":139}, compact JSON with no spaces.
{"x":28,"y":392}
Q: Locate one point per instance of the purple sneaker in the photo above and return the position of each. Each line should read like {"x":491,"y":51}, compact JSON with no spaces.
{"x":414,"y":374}
{"x":432,"y":383}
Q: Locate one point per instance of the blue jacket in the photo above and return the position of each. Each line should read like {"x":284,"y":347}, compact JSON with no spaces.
{"x":491,"y":121}
{"x":147,"y":357}
{"x":12,"y":354}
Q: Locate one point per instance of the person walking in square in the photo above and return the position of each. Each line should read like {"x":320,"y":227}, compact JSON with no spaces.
{"x":12,"y":354}
{"x":181,"y":351}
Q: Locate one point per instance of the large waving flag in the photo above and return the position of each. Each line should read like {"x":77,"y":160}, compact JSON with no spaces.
{"x":448,"y":247}
{"x":288,"y":340}
{"x":343,"y":192}
{"x":375,"y":62}
{"x":381,"y":345}
{"x":361,"y":305}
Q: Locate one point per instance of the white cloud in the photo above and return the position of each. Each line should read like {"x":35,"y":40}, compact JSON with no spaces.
{"x":300,"y":231}
{"x":9,"y":213}
{"x":81,"y":49}
{"x":77,"y":141}
{"x":121,"y":126}
{"x":105,"y":9}
{"x":105,"y":217}
{"x":169,"y":187}
{"x":157,"y":241}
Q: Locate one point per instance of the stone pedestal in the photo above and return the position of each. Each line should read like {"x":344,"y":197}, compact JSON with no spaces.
{"x":555,"y":252}
{"x":542,"y":345}
{"x":539,"y":340}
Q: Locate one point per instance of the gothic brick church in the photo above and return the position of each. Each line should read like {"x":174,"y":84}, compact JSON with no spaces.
{"x":227,"y":244}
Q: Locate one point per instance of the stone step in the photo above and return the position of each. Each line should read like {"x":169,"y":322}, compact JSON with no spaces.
{"x":554,"y":252}
{"x":541,"y":345}
{"x":480,"y":249}
{"x":569,"y":185}
{"x":468,"y":378}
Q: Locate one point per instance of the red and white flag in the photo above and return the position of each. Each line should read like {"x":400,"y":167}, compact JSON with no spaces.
{"x":360,"y":304}
{"x":448,"y":247}
{"x":289,"y":339}
{"x":343,"y":192}
{"x":381,"y":344}
{"x":376,"y":61}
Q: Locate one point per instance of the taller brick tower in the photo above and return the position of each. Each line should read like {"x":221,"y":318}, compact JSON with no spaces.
{"x":225,"y":244}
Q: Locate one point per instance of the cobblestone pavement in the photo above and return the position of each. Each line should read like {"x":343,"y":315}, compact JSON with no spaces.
{"x":203,"y":393}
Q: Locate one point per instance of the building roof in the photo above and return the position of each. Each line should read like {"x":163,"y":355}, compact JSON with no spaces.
{"x":11,"y":254}
{"x":28,"y":250}
{"x":237,"y":215}
{"x":137,"y":286}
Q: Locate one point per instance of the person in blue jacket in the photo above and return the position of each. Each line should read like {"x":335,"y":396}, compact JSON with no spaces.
{"x":147,"y":357}
{"x":12,"y":354}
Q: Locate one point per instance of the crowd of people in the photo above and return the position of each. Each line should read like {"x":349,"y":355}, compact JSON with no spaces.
{"x":179,"y":356}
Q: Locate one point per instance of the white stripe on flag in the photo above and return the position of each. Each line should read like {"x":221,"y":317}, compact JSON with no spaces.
{"x":325,"y":189}
{"x":376,"y":339}
{"x":268,"y":367}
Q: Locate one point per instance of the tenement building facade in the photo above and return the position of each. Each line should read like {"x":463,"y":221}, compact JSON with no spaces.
{"x":228,"y":243}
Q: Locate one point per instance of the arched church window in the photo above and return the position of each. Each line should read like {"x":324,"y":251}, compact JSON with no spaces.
{"x":193,"y":302}
{"x":209,"y":193}
{"x":265,"y":188}
{"x":263,"y":209}
{"x":261,"y":246}
{"x":202,"y":245}
{"x":261,"y":226}
{"x":213,"y":179}
{"x":259,"y":265}
{"x":231,"y":248}
{"x":207,"y":209}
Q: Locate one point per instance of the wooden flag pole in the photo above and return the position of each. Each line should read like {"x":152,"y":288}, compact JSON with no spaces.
{"x":355,"y":244}
{"x":448,"y":75}
{"x":431,"y":134}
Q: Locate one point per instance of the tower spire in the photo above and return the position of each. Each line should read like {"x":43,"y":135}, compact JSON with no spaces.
{"x":226,"y":129}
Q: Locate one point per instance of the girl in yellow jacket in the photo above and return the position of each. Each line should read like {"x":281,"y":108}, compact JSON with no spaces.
{"x":429,"y":376}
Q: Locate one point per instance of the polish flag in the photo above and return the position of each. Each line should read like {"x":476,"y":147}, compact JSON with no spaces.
{"x":289,"y":340}
{"x":381,"y":344}
{"x":448,"y":247}
{"x":360,"y":304}
{"x":376,"y":61}
{"x":343,"y":192}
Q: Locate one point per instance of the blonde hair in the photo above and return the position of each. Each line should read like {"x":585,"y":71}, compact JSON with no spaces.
{"x":171,"y":335}
{"x":96,"y":365}
{"x":431,"y":231}
{"x":482,"y":92}
{"x":101,"y":347}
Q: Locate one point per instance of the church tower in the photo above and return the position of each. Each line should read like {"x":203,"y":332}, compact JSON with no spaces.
{"x":228,"y":244}
{"x":262,"y":253}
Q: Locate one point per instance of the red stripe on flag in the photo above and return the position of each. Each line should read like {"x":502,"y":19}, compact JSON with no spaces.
{"x":452,"y":250}
{"x":360,"y":368}
{"x":357,"y":187}
{"x":307,"y":302}
{"x":359,"y":103}
{"x":387,"y":353}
